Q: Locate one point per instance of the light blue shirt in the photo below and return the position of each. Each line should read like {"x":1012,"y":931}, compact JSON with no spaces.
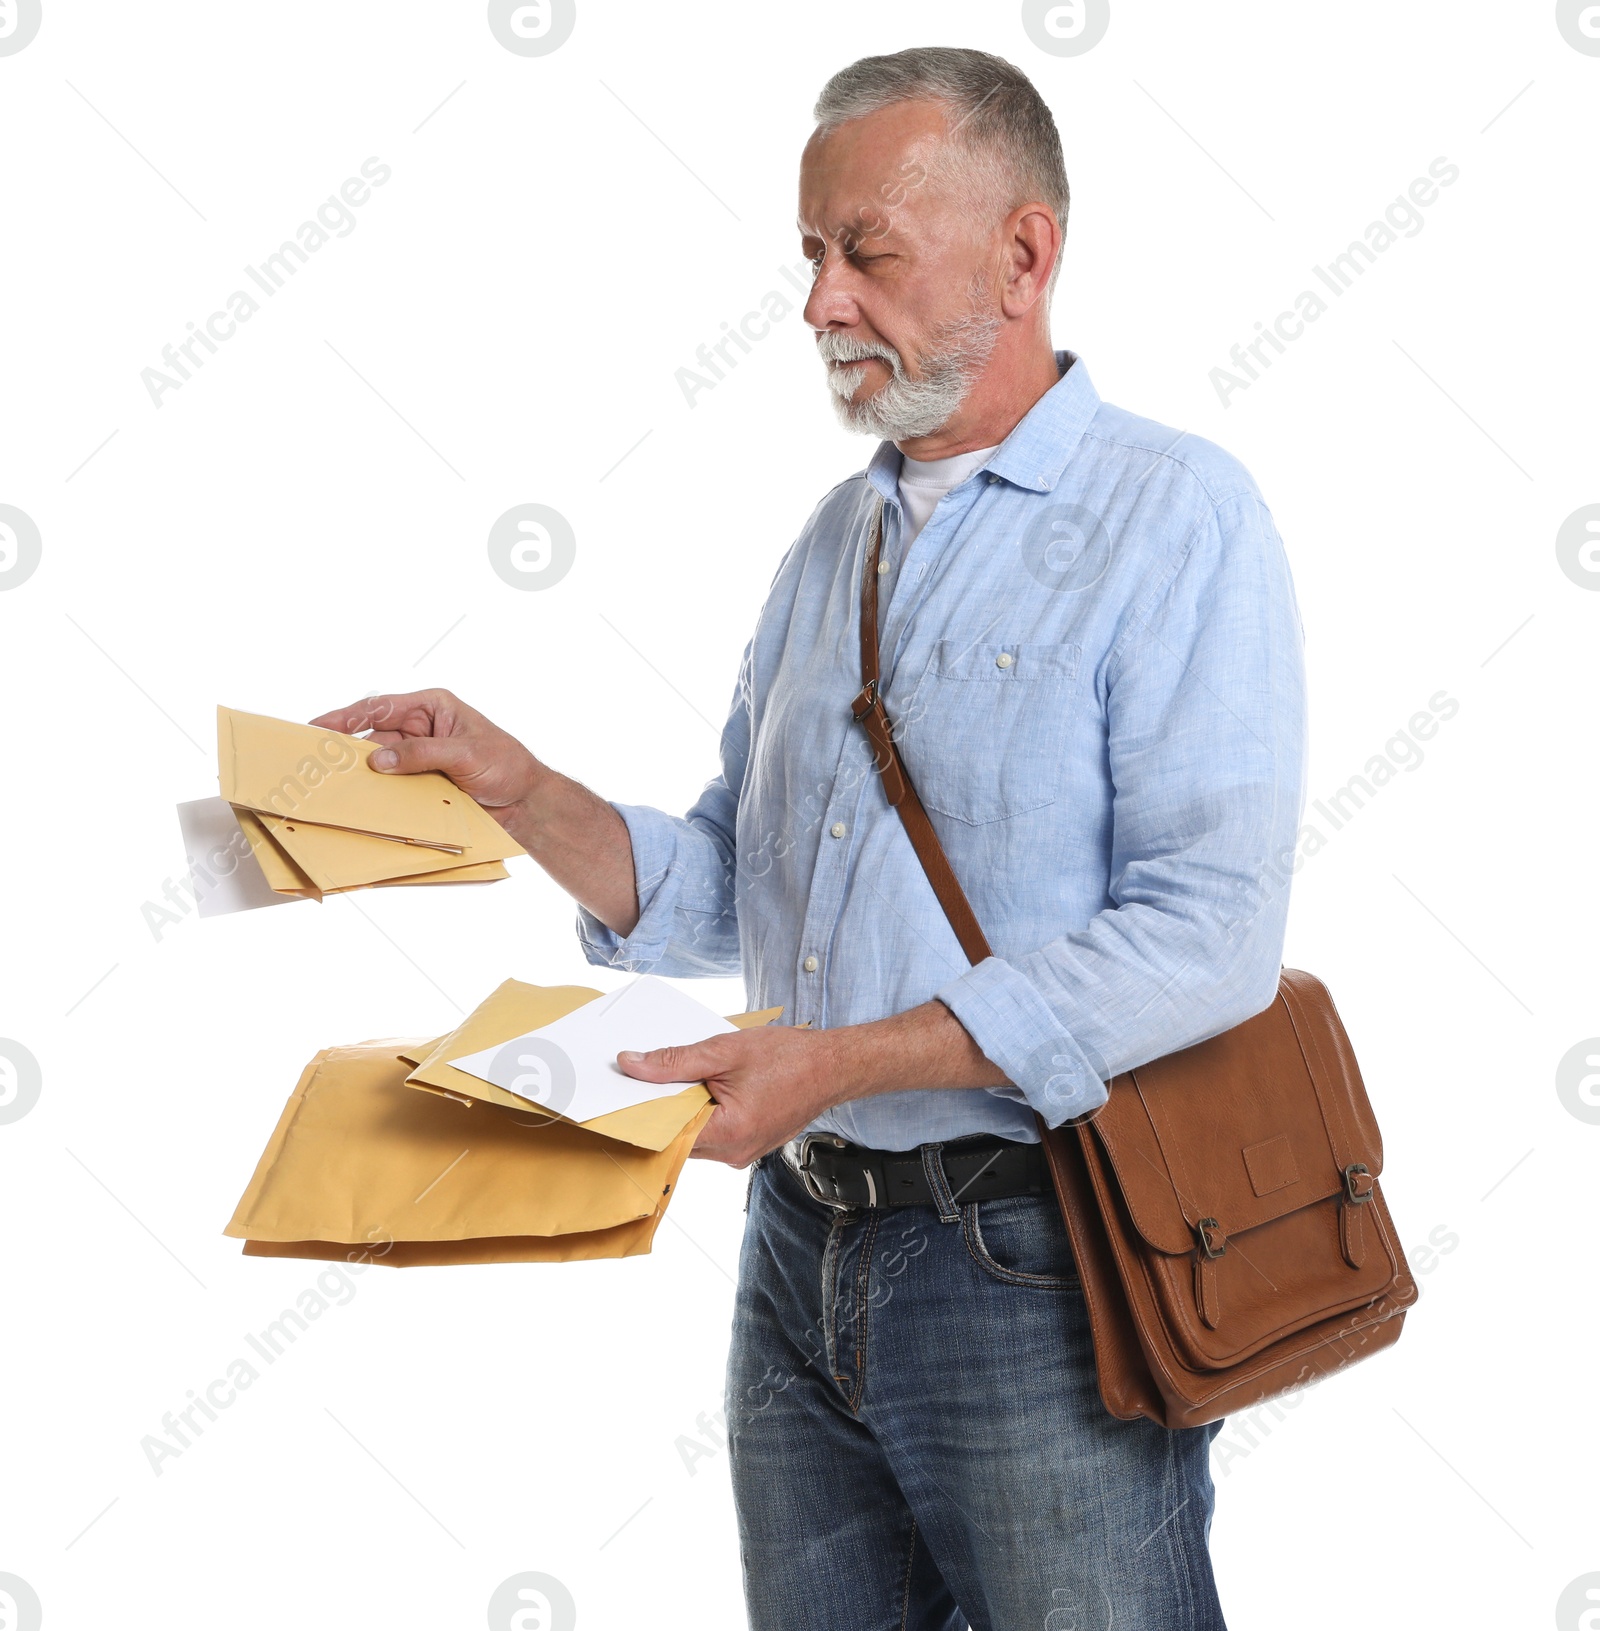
{"x":1092,"y":656}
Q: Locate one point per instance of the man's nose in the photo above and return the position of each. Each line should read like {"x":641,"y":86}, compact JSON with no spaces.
{"x":830,"y":304}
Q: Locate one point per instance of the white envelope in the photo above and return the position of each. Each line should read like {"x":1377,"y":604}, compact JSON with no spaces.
{"x":223,"y":872}
{"x":570,"y":1066}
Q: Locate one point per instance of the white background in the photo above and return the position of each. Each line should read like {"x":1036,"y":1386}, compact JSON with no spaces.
{"x":304,"y":521}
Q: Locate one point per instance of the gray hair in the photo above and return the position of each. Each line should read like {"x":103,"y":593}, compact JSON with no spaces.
{"x":998,"y":120}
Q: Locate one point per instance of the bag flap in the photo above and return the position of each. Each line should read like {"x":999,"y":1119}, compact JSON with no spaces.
{"x":1244,"y":1127}
{"x":1325,"y":1042}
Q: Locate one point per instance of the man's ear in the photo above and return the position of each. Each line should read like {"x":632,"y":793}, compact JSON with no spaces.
{"x":1033,"y":241}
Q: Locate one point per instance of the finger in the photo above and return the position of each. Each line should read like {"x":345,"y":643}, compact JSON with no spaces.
{"x":349,"y":720}
{"x":383,"y":712}
{"x":708,"y":1141}
{"x":406,"y":755}
{"x":720,"y":1140}
{"x":691,"y":1063}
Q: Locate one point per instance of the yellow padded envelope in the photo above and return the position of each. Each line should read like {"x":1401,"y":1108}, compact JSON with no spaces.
{"x":286,"y":878}
{"x":321,"y":821}
{"x":334,"y":859}
{"x":514,"y":1008}
{"x":282,"y":875}
{"x":275,"y":767}
{"x":626,"y":1240}
{"x":360,"y":1165}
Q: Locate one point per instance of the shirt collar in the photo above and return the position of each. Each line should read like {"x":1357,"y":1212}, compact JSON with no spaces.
{"x":1037,"y":450}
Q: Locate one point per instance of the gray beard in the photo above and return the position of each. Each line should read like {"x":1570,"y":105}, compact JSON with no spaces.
{"x":906,"y":408}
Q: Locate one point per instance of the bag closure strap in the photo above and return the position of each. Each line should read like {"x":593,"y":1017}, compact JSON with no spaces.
{"x":1358,"y":1180}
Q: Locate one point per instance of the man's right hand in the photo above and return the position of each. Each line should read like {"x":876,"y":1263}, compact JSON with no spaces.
{"x":579,"y":839}
{"x":433,"y":730}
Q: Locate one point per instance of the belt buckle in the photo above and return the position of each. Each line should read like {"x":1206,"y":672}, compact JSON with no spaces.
{"x":802,"y":1165}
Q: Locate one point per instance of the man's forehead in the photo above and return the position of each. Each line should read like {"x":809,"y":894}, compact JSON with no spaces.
{"x":868,"y":163}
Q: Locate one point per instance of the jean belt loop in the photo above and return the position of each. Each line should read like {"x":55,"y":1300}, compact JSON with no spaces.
{"x":933,"y":1166}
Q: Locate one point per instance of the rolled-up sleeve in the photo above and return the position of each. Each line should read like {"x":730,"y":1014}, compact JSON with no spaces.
{"x":1205,"y":708}
{"x":684,"y":873}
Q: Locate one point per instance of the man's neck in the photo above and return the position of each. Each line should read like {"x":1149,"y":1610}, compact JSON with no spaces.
{"x":997,"y":403}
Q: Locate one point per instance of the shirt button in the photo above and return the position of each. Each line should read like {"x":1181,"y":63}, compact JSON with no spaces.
{"x":838,"y":829}
{"x":1003,"y":660}
{"x":993,"y":480}
{"x":883,"y":568}
{"x":810,"y":965}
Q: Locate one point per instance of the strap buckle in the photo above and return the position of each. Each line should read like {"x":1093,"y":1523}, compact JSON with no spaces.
{"x":870,"y":714}
{"x":1208,"y":1232}
{"x":1358,"y":1183}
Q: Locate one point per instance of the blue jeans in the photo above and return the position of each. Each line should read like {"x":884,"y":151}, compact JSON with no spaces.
{"x":918,"y":1442}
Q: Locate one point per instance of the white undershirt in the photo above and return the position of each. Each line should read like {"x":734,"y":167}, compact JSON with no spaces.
{"x":923,"y":482}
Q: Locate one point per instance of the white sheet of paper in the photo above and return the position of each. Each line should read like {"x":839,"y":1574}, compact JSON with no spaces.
{"x":223,"y":870}
{"x":570,"y":1066}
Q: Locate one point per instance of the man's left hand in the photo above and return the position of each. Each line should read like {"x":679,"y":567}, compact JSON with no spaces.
{"x":769,"y":1084}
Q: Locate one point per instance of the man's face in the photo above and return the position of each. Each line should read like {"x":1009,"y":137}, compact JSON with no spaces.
{"x":903,"y":302}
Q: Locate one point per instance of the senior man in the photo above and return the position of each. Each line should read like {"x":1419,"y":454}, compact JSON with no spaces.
{"x":1091,"y":653}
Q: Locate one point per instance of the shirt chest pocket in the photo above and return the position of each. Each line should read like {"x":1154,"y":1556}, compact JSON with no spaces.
{"x":982,"y":735}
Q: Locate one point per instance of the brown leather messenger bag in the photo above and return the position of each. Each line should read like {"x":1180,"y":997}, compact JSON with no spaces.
{"x":1223,"y":1203}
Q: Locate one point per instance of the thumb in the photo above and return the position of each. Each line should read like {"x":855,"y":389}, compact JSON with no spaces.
{"x":690,"y":1063}
{"x":410,"y":754}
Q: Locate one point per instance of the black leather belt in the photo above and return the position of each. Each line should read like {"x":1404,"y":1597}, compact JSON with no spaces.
{"x":978,"y":1168}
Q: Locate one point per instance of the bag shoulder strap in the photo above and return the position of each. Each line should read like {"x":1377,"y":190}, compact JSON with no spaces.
{"x":873,"y":717}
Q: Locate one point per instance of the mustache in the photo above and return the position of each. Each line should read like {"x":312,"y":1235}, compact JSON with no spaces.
{"x":842,"y":348}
